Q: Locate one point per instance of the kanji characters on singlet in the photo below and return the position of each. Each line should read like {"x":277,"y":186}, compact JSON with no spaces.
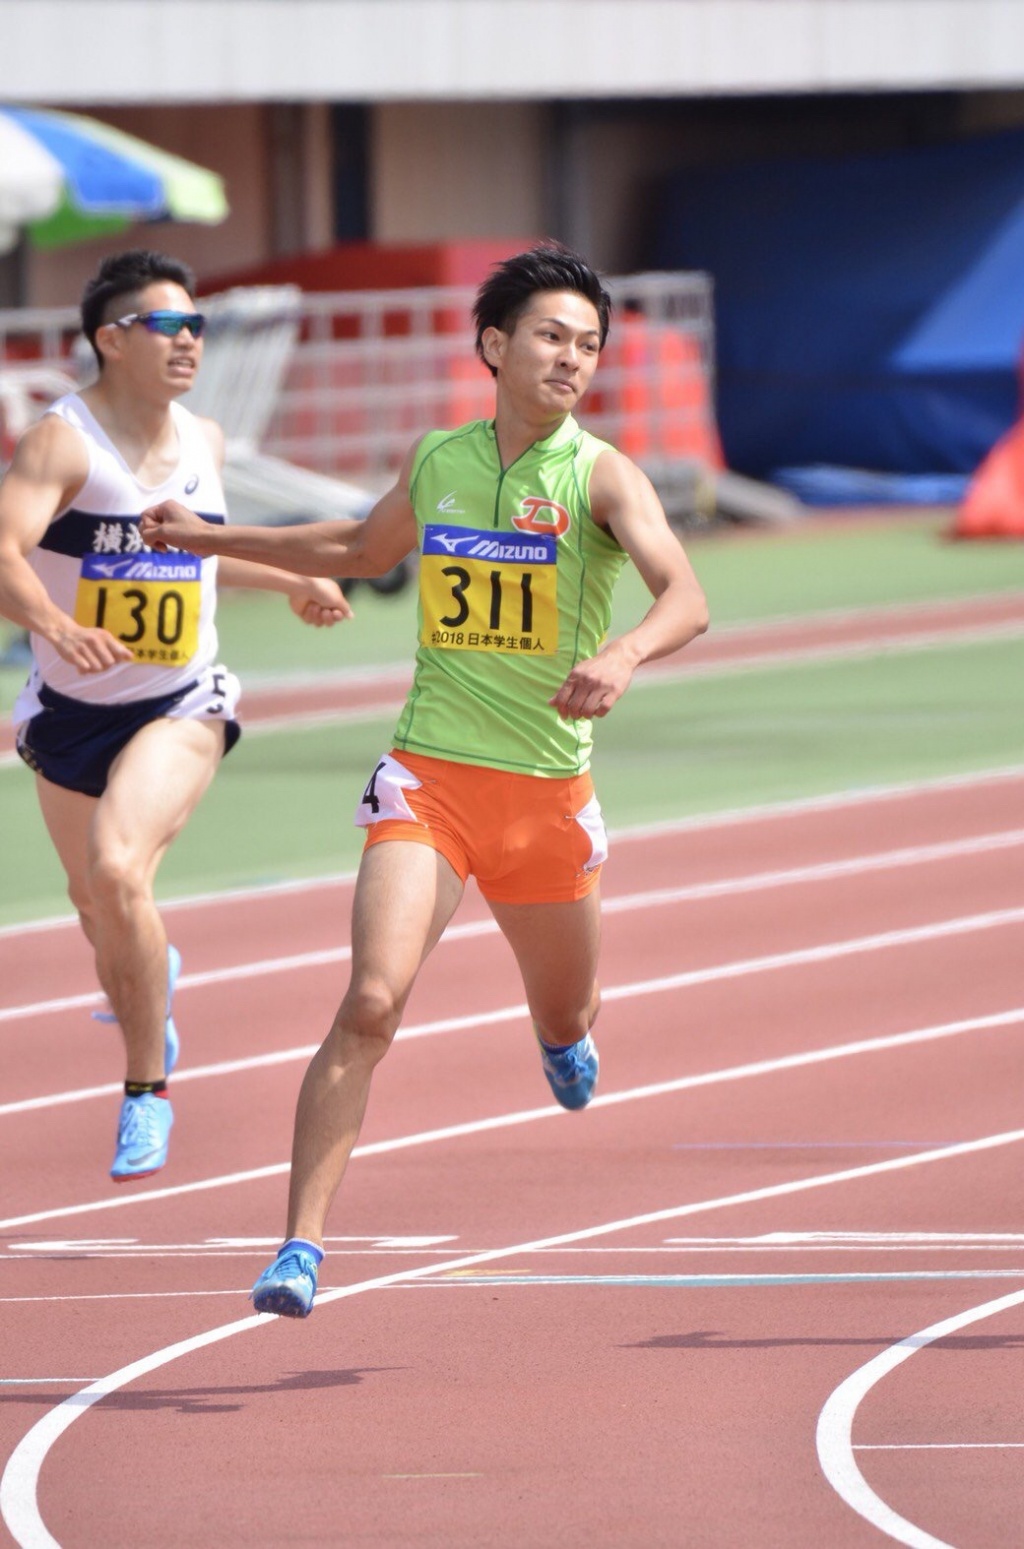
{"x":94,"y":565}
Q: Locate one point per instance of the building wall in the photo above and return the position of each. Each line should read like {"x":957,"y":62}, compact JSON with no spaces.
{"x":625,"y":150}
{"x":441,"y":171}
{"x":233,"y":141}
{"x":124,"y":51}
{"x":587,"y":173}
{"x":437,"y":172}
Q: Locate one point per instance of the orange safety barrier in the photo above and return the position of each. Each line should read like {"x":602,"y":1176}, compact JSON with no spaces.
{"x":993,"y":506}
{"x":651,"y":399}
{"x":654,"y":383}
{"x":470,"y":390}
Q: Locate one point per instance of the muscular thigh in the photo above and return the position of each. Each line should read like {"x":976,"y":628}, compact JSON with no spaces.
{"x":556,"y":947}
{"x":155,"y":783}
{"x":405,"y":895}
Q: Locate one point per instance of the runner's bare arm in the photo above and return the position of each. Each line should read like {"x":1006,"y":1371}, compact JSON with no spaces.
{"x":314,"y":599}
{"x":625,"y":503}
{"x":49,"y":467}
{"x":346,"y":547}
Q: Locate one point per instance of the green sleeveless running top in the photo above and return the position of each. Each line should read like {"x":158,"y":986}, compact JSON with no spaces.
{"x":516,"y":585}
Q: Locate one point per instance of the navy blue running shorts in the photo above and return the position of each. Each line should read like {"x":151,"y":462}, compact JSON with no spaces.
{"x":73,"y":744}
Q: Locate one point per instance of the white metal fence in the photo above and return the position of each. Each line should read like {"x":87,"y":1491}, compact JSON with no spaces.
{"x":372,"y":371}
{"x":343,"y":383}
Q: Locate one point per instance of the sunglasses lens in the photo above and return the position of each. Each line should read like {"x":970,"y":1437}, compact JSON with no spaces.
{"x":171,"y":323}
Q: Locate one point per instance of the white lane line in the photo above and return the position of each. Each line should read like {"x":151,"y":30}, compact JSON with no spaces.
{"x":672,"y":1247}
{"x":835,"y":1425}
{"x":433,"y":1476}
{"x":877,"y":610}
{"x":938,"y":1446}
{"x":466,"y":1280}
{"x":117,"y":1296}
{"x":722,"y":1281}
{"x":228,"y":1247}
{"x":741,"y":968}
{"x":697,"y":823}
{"x":830,"y":801}
{"x":828,"y":653}
{"x":793,"y":1242}
{"x":550,"y":1111}
{"x":18,"y":1488}
{"x":882,"y":613}
{"x":947,"y":637}
{"x":624,"y":903}
{"x":768,"y":659}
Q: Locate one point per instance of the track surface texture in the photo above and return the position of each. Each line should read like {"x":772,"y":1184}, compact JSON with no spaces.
{"x":767,"y":1289}
{"x":380,"y":691}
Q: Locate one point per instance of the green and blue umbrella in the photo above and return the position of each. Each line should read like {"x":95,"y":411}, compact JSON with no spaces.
{"x":65,"y":177}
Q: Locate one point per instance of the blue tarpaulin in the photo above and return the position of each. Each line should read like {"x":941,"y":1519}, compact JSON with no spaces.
{"x":869,"y":310}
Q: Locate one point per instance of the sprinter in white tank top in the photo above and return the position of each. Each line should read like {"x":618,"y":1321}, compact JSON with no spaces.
{"x":127,"y":712}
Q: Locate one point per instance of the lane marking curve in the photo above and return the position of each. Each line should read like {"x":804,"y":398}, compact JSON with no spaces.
{"x":835,"y":1425}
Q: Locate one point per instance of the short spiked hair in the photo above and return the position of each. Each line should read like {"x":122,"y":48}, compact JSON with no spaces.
{"x":125,"y":274}
{"x":506,"y":293}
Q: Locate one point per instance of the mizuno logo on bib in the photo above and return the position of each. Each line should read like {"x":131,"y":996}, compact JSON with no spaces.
{"x":488,"y":591}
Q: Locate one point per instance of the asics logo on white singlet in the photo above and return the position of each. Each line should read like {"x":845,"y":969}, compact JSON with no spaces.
{"x":448,"y":506}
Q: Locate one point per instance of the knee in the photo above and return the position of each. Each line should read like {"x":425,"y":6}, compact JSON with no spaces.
{"x":114,"y":882}
{"x":369,"y":1015}
{"x":567,"y":1024}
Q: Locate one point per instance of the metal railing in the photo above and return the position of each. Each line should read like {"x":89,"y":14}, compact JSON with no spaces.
{"x":372,"y":371}
{"x":343,"y":383}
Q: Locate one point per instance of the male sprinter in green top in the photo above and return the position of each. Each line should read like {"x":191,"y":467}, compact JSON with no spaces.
{"x":522,"y":524}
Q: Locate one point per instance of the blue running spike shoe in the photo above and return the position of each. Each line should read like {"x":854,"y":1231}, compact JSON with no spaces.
{"x":572,"y":1071}
{"x":172,"y":1043}
{"x":288,"y":1285}
{"x":143,"y":1131}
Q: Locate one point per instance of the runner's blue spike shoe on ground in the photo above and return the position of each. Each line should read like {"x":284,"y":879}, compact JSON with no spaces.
{"x":572,"y":1071}
{"x":288,"y":1285}
{"x":172,"y":1043}
{"x":143,"y":1131}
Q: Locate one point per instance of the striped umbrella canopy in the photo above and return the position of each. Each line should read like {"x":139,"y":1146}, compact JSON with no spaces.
{"x":65,"y":177}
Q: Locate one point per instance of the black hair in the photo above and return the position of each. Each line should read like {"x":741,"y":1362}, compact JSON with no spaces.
{"x":507,"y":292}
{"x":125,"y":274}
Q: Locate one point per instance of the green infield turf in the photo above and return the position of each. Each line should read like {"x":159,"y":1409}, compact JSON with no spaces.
{"x":748,"y":575}
{"x":282,"y":804}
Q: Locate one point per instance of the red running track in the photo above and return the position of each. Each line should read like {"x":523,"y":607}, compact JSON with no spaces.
{"x":674,"y":1319}
{"x":804,"y":637}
